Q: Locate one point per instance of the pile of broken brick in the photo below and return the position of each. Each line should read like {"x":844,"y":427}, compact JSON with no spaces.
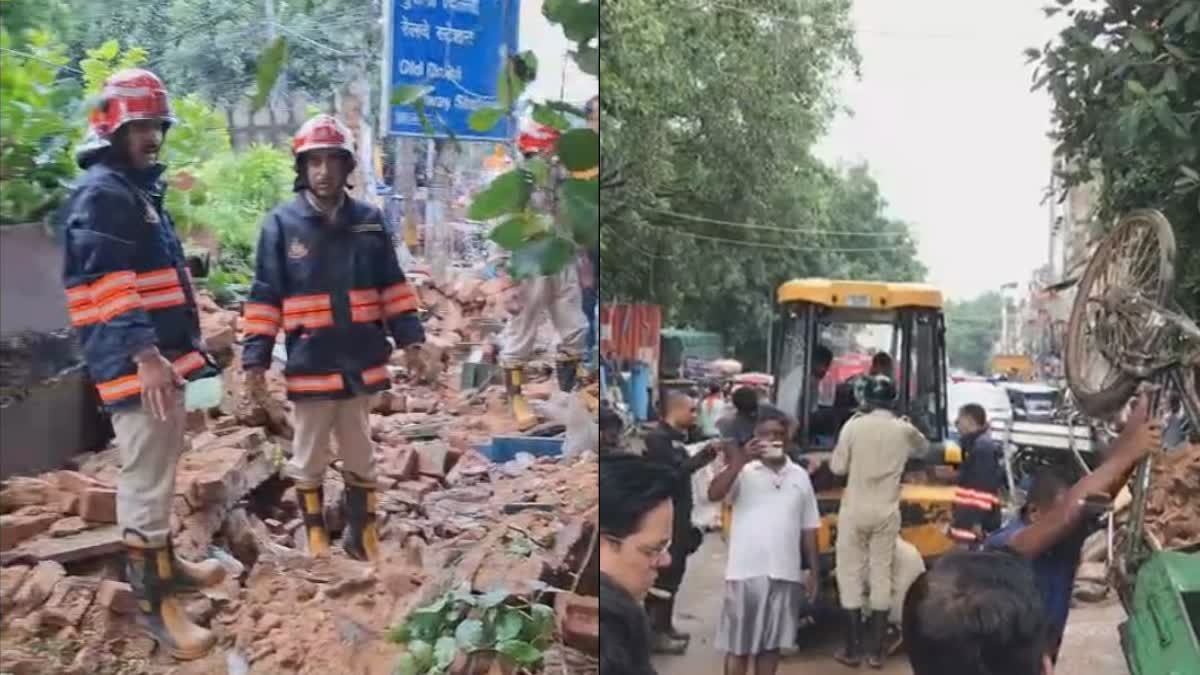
{"x":449,"y":518}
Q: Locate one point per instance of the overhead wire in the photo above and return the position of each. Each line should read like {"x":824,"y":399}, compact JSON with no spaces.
{"x":783,"y":247}
{"x":775,"y":228}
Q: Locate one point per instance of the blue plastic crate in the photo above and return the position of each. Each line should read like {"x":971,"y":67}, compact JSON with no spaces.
{"x":505,"y":448}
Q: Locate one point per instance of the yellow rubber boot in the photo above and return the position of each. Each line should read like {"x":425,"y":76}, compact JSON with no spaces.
{"x":526,"y":420}
{"x":312,"y":507}
{"x":361,"y":540}
{"x":161,"y":615}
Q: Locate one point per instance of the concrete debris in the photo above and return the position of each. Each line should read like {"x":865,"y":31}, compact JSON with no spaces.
{"x":443,"y":519}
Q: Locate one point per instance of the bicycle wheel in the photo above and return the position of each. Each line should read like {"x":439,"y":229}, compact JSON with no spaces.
{"x":1137,"y":256}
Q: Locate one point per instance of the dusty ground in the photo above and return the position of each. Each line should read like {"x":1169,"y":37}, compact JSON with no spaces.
{"x":1090,"y":645}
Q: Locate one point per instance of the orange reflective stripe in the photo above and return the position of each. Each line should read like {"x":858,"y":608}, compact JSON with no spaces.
{"x":303,"y":304}
{"x":366,"y":314}
{"x":310,"y":320}
{"x":397,"y":292}
{"x":400,"y":306}
{"x":122,"y":387}
{"x":79,"y":295}
{"x":158,"y":279}
{"x":162,"y":299}
{"x":261,"y":311}
{"x":315,"y":383}
{"x":188,"y":363}
{"x":369,"y":296}
{"x":259,"y":327}
{"x":84,"y":317}
{"x":117,"y":305}
{"x":375,"y":375}
{"x":113,"y":284}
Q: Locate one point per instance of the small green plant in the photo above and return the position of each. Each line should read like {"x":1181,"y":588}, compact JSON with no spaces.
{"x":463,"y":623}
{"x":241,"y":188}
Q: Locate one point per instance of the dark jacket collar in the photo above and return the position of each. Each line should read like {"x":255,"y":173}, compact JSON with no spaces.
{"x":625,"y":646}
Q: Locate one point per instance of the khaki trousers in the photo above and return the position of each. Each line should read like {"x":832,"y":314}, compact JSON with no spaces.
{"x":348,"y":421}
{"x":149,"y":449}
{"x":906,"y":567}
{"x":560,"y":296}
{"x":865,"y":549}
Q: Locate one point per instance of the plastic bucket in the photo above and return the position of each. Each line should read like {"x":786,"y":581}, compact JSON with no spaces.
{"x":203,"y":394}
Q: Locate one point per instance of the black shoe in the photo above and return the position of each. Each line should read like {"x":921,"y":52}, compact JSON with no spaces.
{"x":875,"y":646}
{"x":568,"y":374}
{"x":361,"y":540}
{"x":851,"y":653}
{"x":665,"y":644}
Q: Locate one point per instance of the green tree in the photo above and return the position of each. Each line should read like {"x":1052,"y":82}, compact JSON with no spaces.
{"x":1125,"y":80}
{"x":712,"y":196}
{"x":973,"y":328}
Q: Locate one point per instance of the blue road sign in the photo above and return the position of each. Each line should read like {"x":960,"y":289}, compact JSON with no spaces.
{"x":457,"y":47}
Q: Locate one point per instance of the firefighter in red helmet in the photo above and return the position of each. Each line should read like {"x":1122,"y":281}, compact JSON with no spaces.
{"x":131,"y":301}
{"x":558,"y":295}
{"x":328,"y":276}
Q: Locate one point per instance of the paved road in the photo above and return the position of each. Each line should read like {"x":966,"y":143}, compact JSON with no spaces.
{"x":1090,"y":645}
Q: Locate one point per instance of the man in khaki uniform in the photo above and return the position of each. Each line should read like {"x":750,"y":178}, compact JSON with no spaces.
{"x":871,"y":451}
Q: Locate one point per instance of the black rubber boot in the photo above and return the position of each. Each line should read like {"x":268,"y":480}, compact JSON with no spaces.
{"x":567,"y":371}
{"x":851,"y":654}
{"x":658,"y":612}
{"x":312,"y":506}
{"x":875,"y":647}
{"x":361,"y":540}
{"x":160,"y":614}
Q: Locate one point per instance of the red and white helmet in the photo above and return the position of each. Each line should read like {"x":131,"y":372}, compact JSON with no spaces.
{"x":537,"y":139}
{"x":322,"y":131}
{"x":128,"y":95}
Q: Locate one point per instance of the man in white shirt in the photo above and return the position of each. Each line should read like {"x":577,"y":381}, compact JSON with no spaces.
{"x":775,"y":518}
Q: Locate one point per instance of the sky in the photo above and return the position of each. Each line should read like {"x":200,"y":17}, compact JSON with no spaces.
{"x":945,"y":119}
{"x":549,"y":44}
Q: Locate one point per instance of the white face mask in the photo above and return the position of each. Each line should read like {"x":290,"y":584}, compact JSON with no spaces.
{"x":773,"y":451}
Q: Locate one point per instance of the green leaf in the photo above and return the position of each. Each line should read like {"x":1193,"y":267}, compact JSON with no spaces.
{"x":564,"y":107}
{"x":407,"y":665}
{"x":1170,"y":79}
{"x":410,"y":94}
{"x":509,"y":625}
{"x":511,"y":233}
{"x":1179,"y":13}
{"x":509,"y":86}
{"x":1177,"y":52}
{"x":506,"y":194}
{"x":522,"y":652}
{"x":422,"y":653}
{"x":588,"y":59}
{"x":1141,"y":41}
{"x":1032,"y":54}
{"x":427,"y":126}
{"x":582,"y":206}
{"x":579,"y":149}
{"x":541,"y":257}
{"x":469,"y":634}
{"x":547,"y":116}
{"x":1190,"y":173}
{"x":1135,"y":87}
{"x":444,"y":652}
{"x":539,"y":169}
{"x":525,"y":66}
{"x":581,"y":22}
{"x":485,"y":118}
{"x":493,"y":598}
{"x":270,"y":65}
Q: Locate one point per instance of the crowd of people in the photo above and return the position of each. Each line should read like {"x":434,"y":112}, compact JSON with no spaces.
{"x":996,"y":605}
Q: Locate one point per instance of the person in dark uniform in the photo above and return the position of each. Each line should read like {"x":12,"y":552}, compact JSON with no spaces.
{"x":980,"y":479}
{"x":665,"y":445}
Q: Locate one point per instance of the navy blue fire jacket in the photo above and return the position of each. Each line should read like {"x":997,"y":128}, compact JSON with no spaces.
{"x":337,"y":291}
{"x":127,"y":282}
